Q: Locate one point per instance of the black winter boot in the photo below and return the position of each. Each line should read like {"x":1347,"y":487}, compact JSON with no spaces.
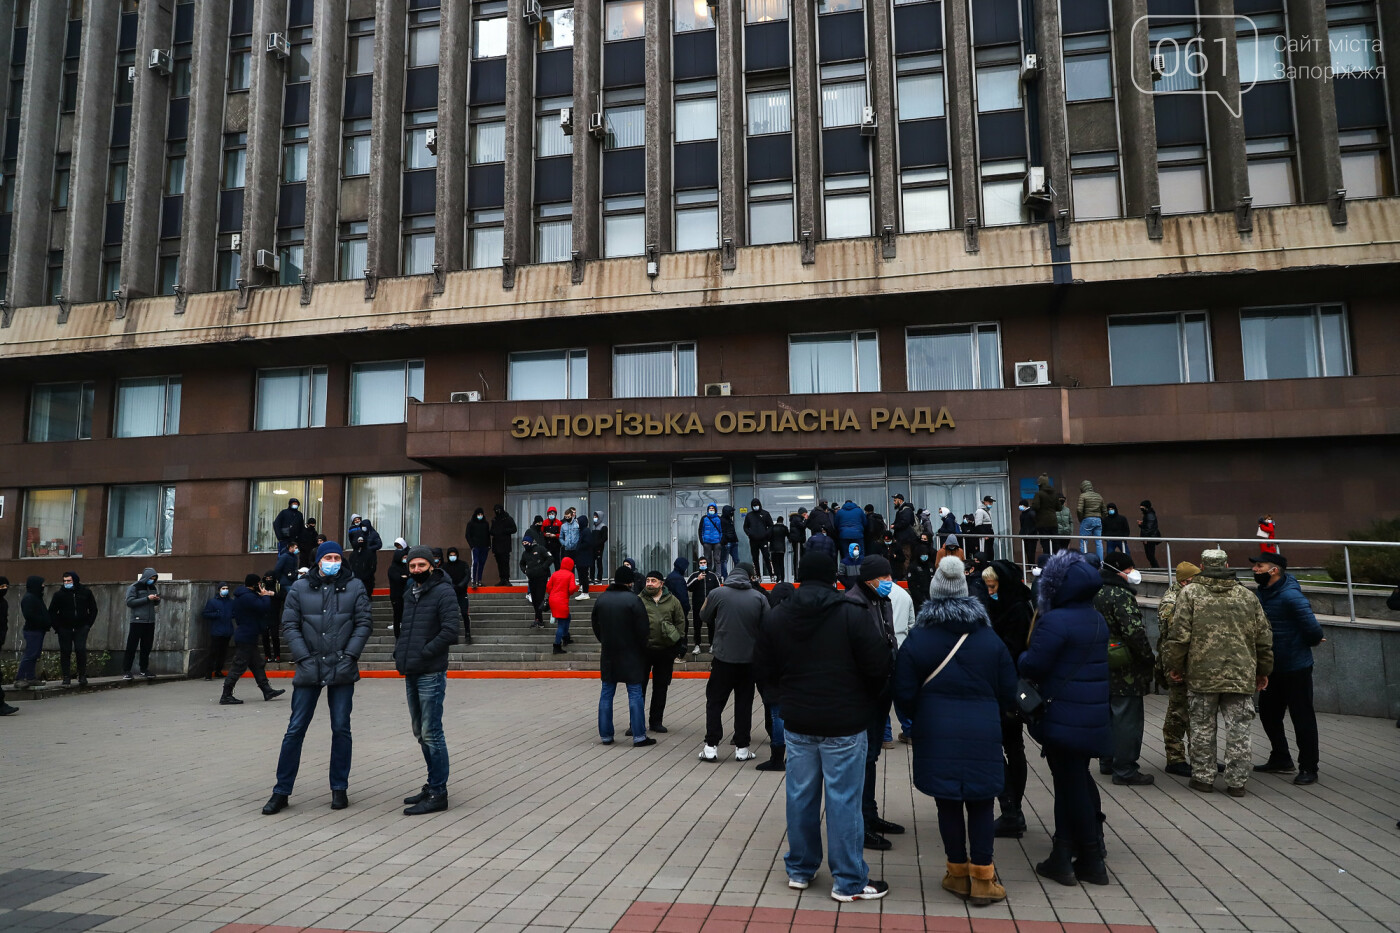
{"x":1012,"y":822}
{"x":1089,"y":867}
{"x":429,"y":804}
{"x":777,"y":760}
{"x":228,"y":699}
{"x":269,"y":693}
{"x":1060,"y":865}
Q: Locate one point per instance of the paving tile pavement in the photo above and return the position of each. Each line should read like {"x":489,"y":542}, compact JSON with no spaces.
{"x":139,"y":810}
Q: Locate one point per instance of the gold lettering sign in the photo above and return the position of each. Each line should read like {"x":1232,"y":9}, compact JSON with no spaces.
{"x":770,"y":421}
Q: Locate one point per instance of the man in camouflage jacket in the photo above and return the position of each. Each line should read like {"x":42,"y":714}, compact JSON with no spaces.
{"x":1129,"y":682}
{"x":1221,"y":646}
{"x":1176,"y":720}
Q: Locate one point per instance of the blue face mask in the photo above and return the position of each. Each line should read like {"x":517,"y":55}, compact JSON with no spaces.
{"x":67,"y":586}
{"x":223,"y":592}
{"x":884,"y":588}
{"x":451,"y":556}
{"x":994,"y":596}
{"x":330,"y":568}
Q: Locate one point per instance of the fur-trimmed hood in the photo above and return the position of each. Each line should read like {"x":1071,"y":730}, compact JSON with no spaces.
{"x":1066,"y":578}
{"x":959,"y":614}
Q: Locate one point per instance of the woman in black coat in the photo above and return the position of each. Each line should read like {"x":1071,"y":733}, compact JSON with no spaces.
{"x":456,"y":570}
{"x":1008,"y":603}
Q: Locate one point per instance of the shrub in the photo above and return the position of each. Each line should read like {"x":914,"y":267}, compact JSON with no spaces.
{"x":49,"y":666}
{"x":1379,"y":565}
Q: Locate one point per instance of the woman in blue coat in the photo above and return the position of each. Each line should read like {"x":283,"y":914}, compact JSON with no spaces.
{"x":957,"y":724}
{"x":1068,"y":661}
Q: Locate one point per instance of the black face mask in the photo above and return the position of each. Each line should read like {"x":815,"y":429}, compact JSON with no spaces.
{"x":1263,"y":578}
{"x":421,"y":576}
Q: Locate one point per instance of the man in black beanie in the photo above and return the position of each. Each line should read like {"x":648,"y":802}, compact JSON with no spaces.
{"x":819,"y":653}
{"x":871,"y":594}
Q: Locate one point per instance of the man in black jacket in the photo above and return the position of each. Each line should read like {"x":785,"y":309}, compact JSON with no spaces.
{"x":699,"y":584}
{"x":309,"y":541}
{"x":905,"y":527}
{"x":252,"y":614}
{"x":758,"y":528}
{"x":288,"y":525}
{"x":5,"y":708}
{"x":73,"y":611}
{"x":871,"y":595}
{"x":427,"y":633}
{"x":36,"y":625}
{"x":502,"y":529}
{"x":797,"y":535}
{"x":820,"y":653}
{"x":620,"y":624}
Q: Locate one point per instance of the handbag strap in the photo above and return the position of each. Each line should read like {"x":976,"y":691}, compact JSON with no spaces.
{"x":939,"y":669}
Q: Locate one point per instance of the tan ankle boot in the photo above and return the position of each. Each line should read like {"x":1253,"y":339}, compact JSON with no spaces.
{"x":986,"y":888}
{"x":956,"y":880}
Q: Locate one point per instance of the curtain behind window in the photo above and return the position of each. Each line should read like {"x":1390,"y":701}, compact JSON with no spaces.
{"x":821,"y":363}
{"x":941,"y":361}
{"x":141,"y":407}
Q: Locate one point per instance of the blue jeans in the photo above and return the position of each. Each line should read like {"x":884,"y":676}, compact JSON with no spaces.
{"x":728,"y":551}
{"x":339,"y":698}
{"x":889,"y":735}
{"x":836,"y":765}
{"x":1091,"y":526}
{"x":777,"y":737}
{"x":29,"y":660}
{"x":636,"y":711}
{"x":561,"y":631}
{"x":425,"y":695}
{"x":478,"y":563}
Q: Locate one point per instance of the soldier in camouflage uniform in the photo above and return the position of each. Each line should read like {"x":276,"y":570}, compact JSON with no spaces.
{"x":1221,"y":646}
{"x":1176,"y":719}
{"x":1130,"y":677}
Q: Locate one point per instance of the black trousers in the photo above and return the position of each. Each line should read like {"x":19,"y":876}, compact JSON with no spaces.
{"x":1291,"y":691}
{"x":218,"y":652}
{"x":463,"y":607}
{"x":695,"y":608}
{"x":139,"y":636}
{"x":503,"y":566}
{"x":726,"y":678}
{"x":874,"y":741}
{"x":762,"y":562}
{"x":1076,"y":797}
{"x":661,"y":663}
{"x":779,"y":568}
{"x":1150,"y":549}
{"x":272,"y":641}
{"x":537,"y":596}
{"x":1013,"y":752}
{"x":978,"y":828}
{"x":599,"y":576}
{"x":245,"y":658}
{"x":73,"y":641}
{"x":396,"y":603}
{"x":585,"y":573}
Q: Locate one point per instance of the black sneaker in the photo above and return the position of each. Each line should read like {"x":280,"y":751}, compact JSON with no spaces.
{"x":433,"y":803}
{"x":658,"y":728}
{"x":885,"y":827}
{"x":1137,"y":779}
{"x":646,"y":741}
{"x":128,"y":676}
{"x":1274,"y":767}
{"x":8,"y":710}
{"x":1305,"y":777}
{"x":148,"y":675}
{"x":877,"y":842}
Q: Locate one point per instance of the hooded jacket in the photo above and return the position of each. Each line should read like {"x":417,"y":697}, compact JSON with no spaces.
{"x":675,"y":582}
{"x":32,"y":608}
{"x":726,"y":526}
{"x":1090,"y":502}
{"x":286,"y":568}
{"x":821,"y":520}
{"x":431,"y":621}
{"x":365,"y":529}
{"x":905,"y":525}
{"x":821,"y":543}
{"x":251,"y":615}
{"x":957,"y":715}
{"x":851,"y":522}
{"x":710,"y":531}
{"x":560,"y":586}
{"x":1295,"y":627}
{"x":758,"y":524}
{"x":948,"y":525}
{"x":478,"y":532}
{"x":535,"y":561}
{"x":1116,"y":601}
{"x":502,"y":528}
{"x":584,"y":545}
{"x":142,"y":609}
{"x":1044,"y":504}
{"x":1148,"y":526}
{"x":326,"y":623}
{"x":1068,"y":658}
{"x":1115,"y":523}
{"x":665,"y":621}
{"x":619,"y":622}
{"x":797,"y":529}
{"x":737,"y":610}
{"x":456,"y":572}
{"x":819,"y":653}
{"x":398,"y":574}
{"x":75,"y":608}
{"x":219,"y":611}
{"x":1011,"y":612}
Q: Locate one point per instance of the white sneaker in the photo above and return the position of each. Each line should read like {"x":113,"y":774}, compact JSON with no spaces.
{"x":798,"y":885}
{"x":873,"y":891}
{"x":529,"y":598}
{"x":697,"y":650}
{"x":580,"y":596}
{"x":709,"y":753}
{"x":743,"y":754}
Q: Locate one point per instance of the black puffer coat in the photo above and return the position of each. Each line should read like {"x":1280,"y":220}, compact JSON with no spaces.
{"x":620,"y":622}
{"x":429,"y":628}
{"x":326,"y":623}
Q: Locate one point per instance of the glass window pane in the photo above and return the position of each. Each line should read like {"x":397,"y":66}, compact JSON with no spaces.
{"x":165,"y":540}
{"x":578,"y":374}
{"x":770,"y":112}
{"x":378,"y":392}
{"x":624,"y":235}
{"x":697,"y":229}
{"x":423,"y":45}
{"x":298,"y":65}
{"x":1280,"y":343}
{"x":354,"y":256}
{"x":1001,"y":202}
{"x":821,"y":363}
{"x":235,"y":169}
{"x":419,"y":250}
{"x":1260,"y":59}
{"x":1353,"y":47}
{"x":175,"y":176}
{"x":693,"y":14}
{"x":697,"y":119}
{"x":284,"y":399}
{"x":624,"y":19}
{"x":489,"y":37}
{"x":489,"y":142}
{"x":927,"y":209}
{"x":770,"y":222}
{"x":685,"y":369}
{"x":294,"y":162}
{"x":1096,"y":196}
{"x":843,"y":104}
{"x":134,"y":516}
{"x":141,"y":407}
{"x":1197,"y":348}
{"x":989,"y":357}
{"x":1271,"y":182}
{"x":53,"y":522}
{"x":1184,"y":53}
{"x":920,"y":96}
{"x":1088,"y":77}
{"x":557,"y":29}
{"x":550,"y":138}
{"x":644,"y":372}
{"x":765,"y":11}
{"x":61,"y":412}
{"x":487,"y":247}
{"x":626,"y":127}
{"x":540,"y":375}
{"x":292,"y":261}
{"x":1183,"y":189}
{"x":1364,"y":174}
{"x":356,"y":155}
{"x":941,"y":360}
{"x":268,"y":497}
{"x":390,"y":503}
{"x":998,"y":87}
{"x":416,"y":152}
{"x":361,"y":54}
{"x":554,"y":240}
{"x":847,"y":215}
{"x":1334,"y":346}
{"x":1145,"y":350}
{"x":868,"y":362}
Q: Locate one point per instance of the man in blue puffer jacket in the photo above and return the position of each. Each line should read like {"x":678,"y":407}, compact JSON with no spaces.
{"x":1068,"y":660}
{"x":1290,"y":687}
{"x":851,"y":522}
{"x":252,"y":604}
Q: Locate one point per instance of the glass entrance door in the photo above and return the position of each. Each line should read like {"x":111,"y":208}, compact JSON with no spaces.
{"x":524,"y":506}
{"x":963,"y":495}
{"x":641,"y":529}
{"x":784,"y":500}
{"x":690,"y":505}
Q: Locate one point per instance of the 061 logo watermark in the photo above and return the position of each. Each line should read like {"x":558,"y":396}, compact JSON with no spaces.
{"x":1181,"y":60}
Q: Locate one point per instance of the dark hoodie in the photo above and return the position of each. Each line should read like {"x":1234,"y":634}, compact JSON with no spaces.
{"x":4,"y":610}
{"x":31,"y":606}
{"x":820,"y":654}
{"x":73,"y":608}
{"x":758,"y":524}
{"x":478,"y":531}
{"x":1115,"y":523}
{"x":736,"y":610}
{"x":726,"y":525}
{"x":502,"y":528}
{"x":779,"y":593}
{"x":675,"y":582}
{"x":456,"y":571}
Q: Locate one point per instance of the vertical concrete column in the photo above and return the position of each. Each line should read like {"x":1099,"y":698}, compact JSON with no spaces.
{"x":205,"y":149}
{"x":92,"y":132}
{"x":733,"y":219}
{"x":266,"y":92}
{"x":587,"y":163}
{"x":38,"y":135}
{"x":1314,"y":105}
{"x":962,"y":113}
{"x":323,"y":148}
{"x":1228,"y":165}
{"x":1050,"y":99}
{"x":806,"y":106}
{"x":456,"y":44}
{"x":1137,"y":115}
{"x":659,"y":113}
{"x":880,"y":51}
{"x":386,"y":147}
{"x":1389,"y":29}
{"x":150,"y":114}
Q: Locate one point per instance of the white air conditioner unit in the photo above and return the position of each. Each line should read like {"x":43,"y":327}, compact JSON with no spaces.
{"x":1030,"y":67}
{"x":595,"y":125}
{"x":533,"y":14}
{"x":131,"y":74}
{"x":867,"y":121}
{"x":1037,"y":187}
{"x":277,"y":45}
{"x":717,"y":388}
{"x":430,"y":140}
{"x":1033,"y":373}
{"x":235,"y":242}
{"x":268,"y":261}
{"x":472,"y":396}
{"x":566,"y":120}
{"x":1159,"y":67}
{"x":159,"y":60}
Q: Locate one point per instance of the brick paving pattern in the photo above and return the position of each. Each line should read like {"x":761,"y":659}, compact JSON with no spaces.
{"x":137,"y":810}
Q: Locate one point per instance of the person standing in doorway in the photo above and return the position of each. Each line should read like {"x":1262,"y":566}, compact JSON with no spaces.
{"x":700,"y":584}
{"x":758,"y":528}
{"x":502,"y":530}
{"x":777,"y":549}
{"x":729,"y":554}
{"x":74,"y":610}
{"x":711,"y":536}
{"x":289,"y":525}
{"x":600,"y":547}
{"x":421,"y":650}
{"x":1296,"y":632}
{"x":252,"y":605}
{"x":982,"y":525}
{"x":552,"y":528}
{"x":583,"y":555}
{"x":797,"y":535}
{"x":568,"y":537}
{"x":1147,"y":528}
{"x":478,"y":535}
{"x":142,"y":601}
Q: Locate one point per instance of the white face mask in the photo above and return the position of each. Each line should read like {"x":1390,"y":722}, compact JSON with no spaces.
{"x":1133,"y":576}
{"x":1021,"y":508}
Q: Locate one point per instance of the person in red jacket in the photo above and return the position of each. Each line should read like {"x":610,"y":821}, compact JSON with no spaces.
{"x":1267,"y":530}
{"x":552,"y":527}
{"x":560,"y":587}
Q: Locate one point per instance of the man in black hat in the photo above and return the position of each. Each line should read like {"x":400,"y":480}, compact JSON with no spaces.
{"x":905,"y":527}
{"x":871,"y":594}
{"x":1290,"y":688}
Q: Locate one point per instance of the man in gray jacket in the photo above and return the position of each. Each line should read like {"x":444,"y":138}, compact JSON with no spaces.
{"x":326,"y":623}
{"x":736,"y":610}
{"x":142,"y":599}
{"x":431,"y":620}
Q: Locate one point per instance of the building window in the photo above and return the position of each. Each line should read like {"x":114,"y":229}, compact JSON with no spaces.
{"x":488,"y":239}
{"x":550,"y":138}
{"x":53,"y":275}
{"x":624,"y":19}
{"x":1183,"y":51}
{"x":1259,"y":47}
{"x":267,"y":497}
{"x":1353,"y":45}
{"x":998,"y":78}
{"x":360,"y":48}
{"x":356,"y":155}
{"x":1088,"y":67}
{"x":111,"y":270}
{"x":240,"y":62}
{"x":169,"y":274}
{"x":840,"y":362}
{"x":919,"y":87}
{"x":1002,"y":185}
{"x":489,"y":35}
{"x":53,"y":522}
{"x":843,"y":94}
{"x":548,"y":374}
{"x":624,"y":226}
{"x":846,"y":204}
{"x":140,"y":520}
{"x":765,"y":11}
{"x":175,"y":170}
{"x":1159,"y":349}
{"x":293,"y":397}
{"x":354,"y":250}
{"x":148,"y":407}
{"x":691,"y":15}
{"x":654,"y":370}
{"x":299,"y":58}
{"x":1181,"y":178}
{"x":770,"y":212}
{"x":1365,"y":164}
{"x":419,"y":245}
{"x":424,"y":37}
{"x":697,"y":219}
{"x":697,"y":111}
{"x":391,"y":503}
{"x":62,"y":174}
{"x":926,"y":204}
{"x":230,"y":269}
{"x":379,"y":392}
{"x":416,"y":154}
{"x":235,"y":160}
{"x":116,"y":177}
{"x":1295,"y":342}
{"x":1094,"y":186}
{"x":967,"y":356}
{"x":291,"y":254}
{"x":294,"y":151}
{"x":557,"y":29}
{"x":769,"y":112}
{"x":838,"y":6}
{"x":1271,"y":180}
{"x":61,"y":412}
{"x":554,"y":232}
{"x":488,"y":134}
{"x":625,"y":126}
